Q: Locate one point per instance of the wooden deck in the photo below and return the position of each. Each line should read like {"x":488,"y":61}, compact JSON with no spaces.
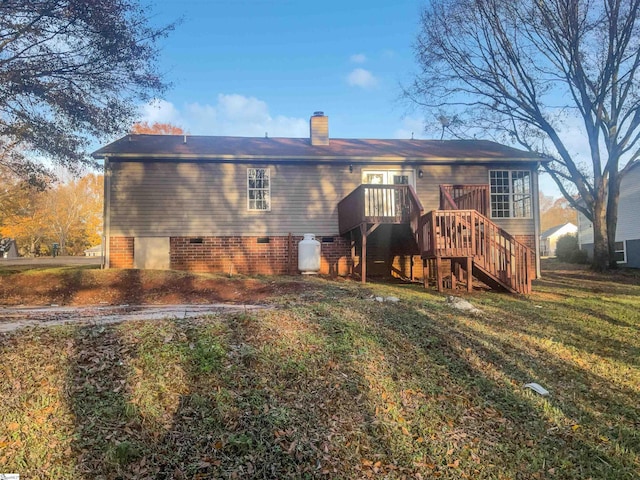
{"x":459,"y":234}
{"x":375,"y":204}
{"x":366,"y":208}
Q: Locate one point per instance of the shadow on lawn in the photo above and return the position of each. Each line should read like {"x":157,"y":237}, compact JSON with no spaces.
{"x":302,"y":393}
{"x":582,"y":282}
{"x":577,"y":326}
{"x":472,"y":357}
{"x":236,"y":407}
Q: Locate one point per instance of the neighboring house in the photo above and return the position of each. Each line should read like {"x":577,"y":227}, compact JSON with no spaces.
{"x":8,"y":248}
{"x":549,"y":238}
{"x":628,"y":230}
{"x":93,"y":251}
{"x":236,"y":204}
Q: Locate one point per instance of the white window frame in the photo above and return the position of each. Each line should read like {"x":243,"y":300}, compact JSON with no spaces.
{"x":387,"y":175}
{"x":511,"y":194}
{"x":624,"y":251}
{"x":266,"y":190}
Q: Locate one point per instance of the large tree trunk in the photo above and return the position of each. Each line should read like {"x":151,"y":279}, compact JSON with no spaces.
{"x":600,"y":238}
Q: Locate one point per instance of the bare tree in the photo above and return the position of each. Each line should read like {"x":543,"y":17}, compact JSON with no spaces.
{"x":71,"y":70}
{"x":526,"y":70}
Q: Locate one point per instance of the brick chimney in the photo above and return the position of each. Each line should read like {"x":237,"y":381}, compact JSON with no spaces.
{"x":319,"y":129}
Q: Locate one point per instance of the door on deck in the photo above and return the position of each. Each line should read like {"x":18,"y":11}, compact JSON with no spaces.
{"x":383,"y":203}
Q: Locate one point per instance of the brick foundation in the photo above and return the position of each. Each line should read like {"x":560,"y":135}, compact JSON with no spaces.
{"x":249,"y":255}
{"x":121,"y":252}
{"x":246,"y":255}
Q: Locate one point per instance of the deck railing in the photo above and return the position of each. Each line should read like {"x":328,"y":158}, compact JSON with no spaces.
{"x":468,"y":233}
{"x":465,"y":197}
{"x":379,"y":204}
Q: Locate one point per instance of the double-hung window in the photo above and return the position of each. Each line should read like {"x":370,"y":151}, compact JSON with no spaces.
{"x":258,"y":189}
{"x":510,"y":193}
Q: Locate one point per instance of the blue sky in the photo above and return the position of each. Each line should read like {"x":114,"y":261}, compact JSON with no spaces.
{"x":247,"y":67}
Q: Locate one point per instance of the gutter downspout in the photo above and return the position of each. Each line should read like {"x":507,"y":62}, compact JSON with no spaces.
{"x":536,"y":218}
{"x":106,"y":214}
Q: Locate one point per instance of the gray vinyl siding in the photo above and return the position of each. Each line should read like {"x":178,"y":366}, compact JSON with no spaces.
{"x":210,"y":199}
{"x":633,"y":253}
{"x":628,"y":206}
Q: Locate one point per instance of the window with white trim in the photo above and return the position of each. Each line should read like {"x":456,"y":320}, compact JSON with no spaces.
{"x":510,"y":193}
{"x":258,"y":189}
{"x":621,"y":252}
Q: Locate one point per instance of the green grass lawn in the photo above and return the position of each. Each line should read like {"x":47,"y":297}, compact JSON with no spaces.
{"x":332,"y":384}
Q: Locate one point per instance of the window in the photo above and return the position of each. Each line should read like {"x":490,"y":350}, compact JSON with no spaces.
{"x":621,"y":254}
{"x":510,"y":193}
{"x":258,"y":189}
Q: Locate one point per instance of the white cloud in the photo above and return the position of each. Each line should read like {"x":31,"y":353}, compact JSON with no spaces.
{"x":358,"y":58}
{"x":231,"y":114}
{"x":411,"y":126}
{"x":360,"y":77}
{"x":160,"y":111}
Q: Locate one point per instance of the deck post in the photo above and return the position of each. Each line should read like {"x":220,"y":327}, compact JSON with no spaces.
{"x":439,"y":278}
{"x":425,"y":272}
{"x":454,"y":273}
{"x":363,"y":253}
{"x":290,"y":254}
{"x":527,"y":262}
{"x":365,"y":232}
{"x":353,"y":252}
{"x":469,"y":274}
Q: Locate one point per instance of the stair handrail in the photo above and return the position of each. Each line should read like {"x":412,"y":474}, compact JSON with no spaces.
{"x":448,"y":199}
{"x":465,"y":197}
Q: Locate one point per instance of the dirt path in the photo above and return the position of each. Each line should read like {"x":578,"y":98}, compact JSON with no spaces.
{"x":15,"y":318}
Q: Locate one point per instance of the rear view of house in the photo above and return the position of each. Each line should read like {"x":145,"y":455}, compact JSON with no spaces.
{"x":436,"y":210}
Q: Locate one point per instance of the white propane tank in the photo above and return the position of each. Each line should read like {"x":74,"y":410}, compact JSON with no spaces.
{"x":309,"y":255}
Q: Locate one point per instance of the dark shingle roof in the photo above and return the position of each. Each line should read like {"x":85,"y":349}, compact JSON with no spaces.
{"x":339,"y":149}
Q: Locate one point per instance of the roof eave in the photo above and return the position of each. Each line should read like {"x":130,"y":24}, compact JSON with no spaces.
{"x":315,"y":158}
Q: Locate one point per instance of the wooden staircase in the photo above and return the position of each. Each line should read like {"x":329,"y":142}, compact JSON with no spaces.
{"x":469,"y":240}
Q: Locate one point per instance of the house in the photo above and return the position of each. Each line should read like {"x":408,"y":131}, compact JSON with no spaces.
{"x":8,"y":248}
{"x":628,"y":229}
{"x":93,"y":251}
{"x":432,"y":210}
{"x":549,"y":238}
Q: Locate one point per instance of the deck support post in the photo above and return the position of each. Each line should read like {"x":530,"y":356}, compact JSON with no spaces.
{"x":469,"y":274}
{"x":425,"y":272}
{"x":411,"y":268}
{"x":290,"y":270}
{"x":454,"y":273}
{"x":365,"y":232}
{"x":353,"y":252}
{"x":439,"y":279}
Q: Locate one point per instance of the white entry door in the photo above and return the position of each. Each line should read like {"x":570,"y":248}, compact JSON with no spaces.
{"x":151,"y":253}
{"x":382,"y":203}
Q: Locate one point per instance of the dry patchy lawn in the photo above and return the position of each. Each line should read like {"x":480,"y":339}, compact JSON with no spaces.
{"x":332,"y":384}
